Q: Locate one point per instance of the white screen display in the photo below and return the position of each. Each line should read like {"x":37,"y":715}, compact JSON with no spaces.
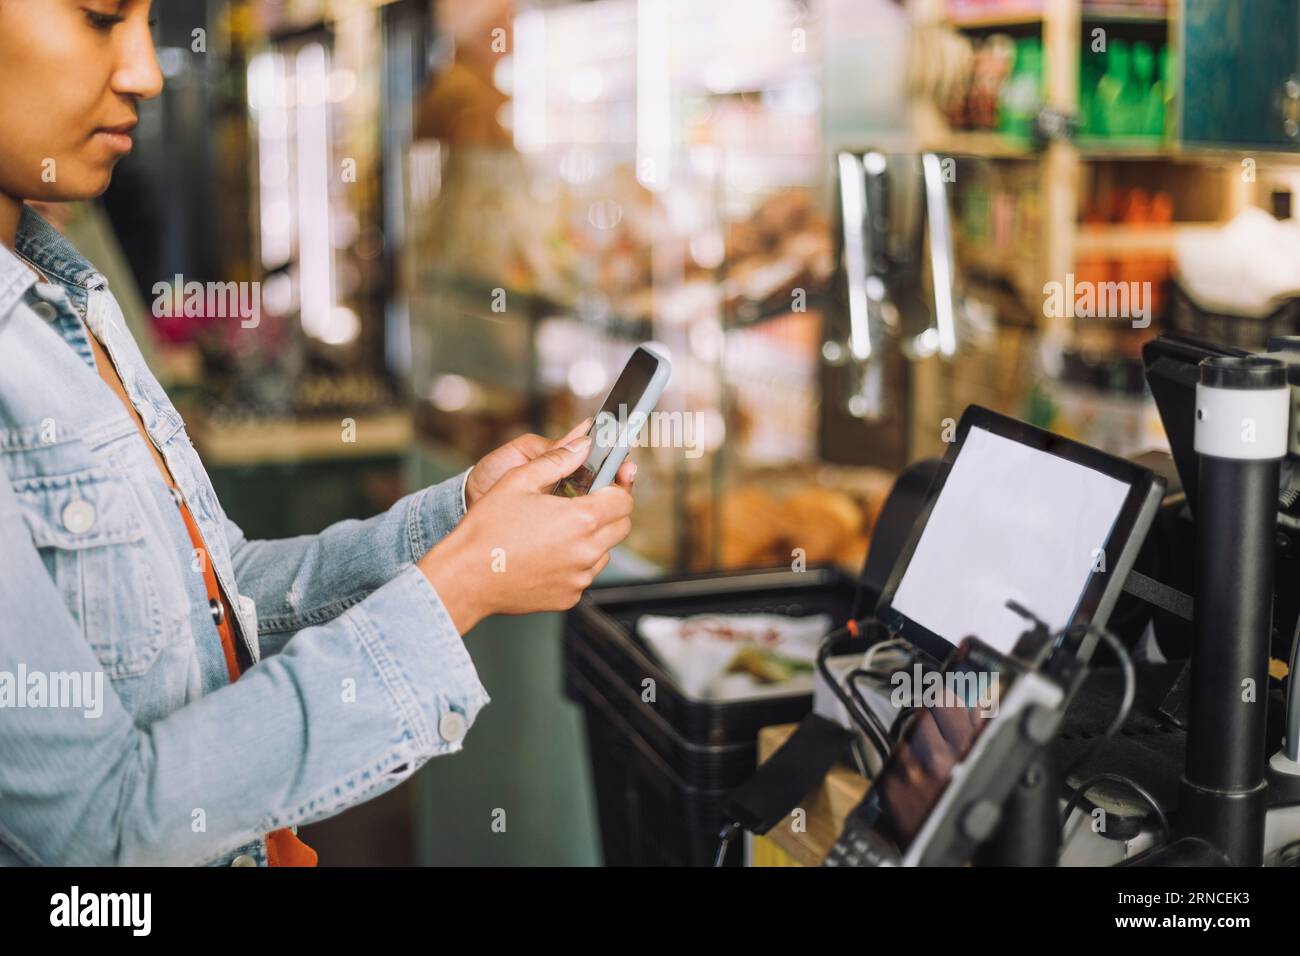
{"x":1011,"y":523}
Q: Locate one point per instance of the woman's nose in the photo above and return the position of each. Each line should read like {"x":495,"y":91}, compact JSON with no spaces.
{"x":138,"y":74}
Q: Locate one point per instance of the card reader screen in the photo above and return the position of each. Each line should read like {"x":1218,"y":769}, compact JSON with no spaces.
{"x":1012,"y":522}
{"x":950,"y":716}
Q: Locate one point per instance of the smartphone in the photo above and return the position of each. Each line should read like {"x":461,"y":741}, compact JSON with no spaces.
{"x":619,"y":421}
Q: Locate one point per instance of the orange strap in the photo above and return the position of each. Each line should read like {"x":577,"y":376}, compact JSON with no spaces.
{"x":283,"y":848}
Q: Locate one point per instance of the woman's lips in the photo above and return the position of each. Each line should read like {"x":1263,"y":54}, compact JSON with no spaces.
{"x":116,"y":138}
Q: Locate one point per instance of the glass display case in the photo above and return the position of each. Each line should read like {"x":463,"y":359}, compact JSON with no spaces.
{"x":644,"y":194}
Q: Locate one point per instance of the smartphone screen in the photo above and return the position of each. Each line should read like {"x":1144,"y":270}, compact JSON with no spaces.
{"x":609,"y":429}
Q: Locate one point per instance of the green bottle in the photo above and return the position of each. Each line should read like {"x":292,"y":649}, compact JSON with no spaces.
{"x":1148,"y":93}
{"x":1092,"y":66}
{"x":1108,"y":104}
{"x":1021,"y":96}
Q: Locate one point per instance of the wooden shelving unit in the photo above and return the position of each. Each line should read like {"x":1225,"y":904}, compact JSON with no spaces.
{"x":1064,"y":165}
{"x":1054,"y":187}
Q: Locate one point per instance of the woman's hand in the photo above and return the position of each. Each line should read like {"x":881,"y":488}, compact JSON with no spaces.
{"x":523,"y":549}
{"x":521,"y":451}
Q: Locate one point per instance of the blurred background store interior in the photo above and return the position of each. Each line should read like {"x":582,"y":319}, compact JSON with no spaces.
{"x":463,"y":215}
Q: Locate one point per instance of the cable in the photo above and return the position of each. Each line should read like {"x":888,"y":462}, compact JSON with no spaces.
{"x":1289,"y":855}
{"x":896,"y":727}
{"x":859,"y":718}
{"x":855,"y":611}
{"x":1115,"y":778}
{"x":866,"y":670}
{"x":879,"y":735}
{"x":880,"y":739}
{"x":823,"y":653}
{"x":1121,"y":716}
{"x":894,"y":642}
{"x":859,"y":756}
{"x":1126,"y":702}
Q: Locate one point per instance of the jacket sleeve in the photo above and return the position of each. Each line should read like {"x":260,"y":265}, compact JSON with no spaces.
{"x":346,"y":711}
{"x":311,"y":579}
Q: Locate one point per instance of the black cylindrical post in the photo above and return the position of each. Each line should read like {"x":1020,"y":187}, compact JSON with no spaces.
{"x":1242,"y":411}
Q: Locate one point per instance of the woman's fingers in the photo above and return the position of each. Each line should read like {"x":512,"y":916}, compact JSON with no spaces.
{"x":612,"y":534}
{"x":626,"y":475}
{"x":530,"y":446}
{"x":609,"y":504}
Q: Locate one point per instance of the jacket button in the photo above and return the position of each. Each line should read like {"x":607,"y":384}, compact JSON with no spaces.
{"x":79,"y":516}
{"x":218,"y":612}
{"x":452,"y":727}
{"x":243,"y":860}
{"x":45,"y":311}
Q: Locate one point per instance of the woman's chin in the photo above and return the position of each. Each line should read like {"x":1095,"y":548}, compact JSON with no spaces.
{"x":90,"y":185}
{"x":97,"y":185}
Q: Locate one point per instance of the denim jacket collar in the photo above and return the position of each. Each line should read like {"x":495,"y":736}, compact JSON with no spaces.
{"x":41,"y":244}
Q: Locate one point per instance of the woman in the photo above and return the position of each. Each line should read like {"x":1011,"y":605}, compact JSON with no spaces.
{"x":169,"y":691}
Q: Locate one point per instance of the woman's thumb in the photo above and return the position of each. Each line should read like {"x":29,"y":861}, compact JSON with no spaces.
{"x":549,"y":467}
{"x":577,"y":431}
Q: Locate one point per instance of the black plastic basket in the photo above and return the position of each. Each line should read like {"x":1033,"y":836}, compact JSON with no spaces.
{"x":1186,"y":316}
{"x":661,"y":768}
{"x":649,"y":815}
{"x":710,"y":766}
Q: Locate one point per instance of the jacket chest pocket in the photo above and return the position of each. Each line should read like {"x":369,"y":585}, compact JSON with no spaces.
{"x":89,"y":531}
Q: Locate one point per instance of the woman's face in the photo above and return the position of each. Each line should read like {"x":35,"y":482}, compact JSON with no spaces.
{"x":71,"y":74}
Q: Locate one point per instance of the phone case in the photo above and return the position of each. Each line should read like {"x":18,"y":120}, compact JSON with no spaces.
{"x":644,"y":406}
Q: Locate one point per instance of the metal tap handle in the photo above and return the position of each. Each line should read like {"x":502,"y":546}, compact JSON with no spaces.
{"x":853,"y":216}
{"x":941,"y":252}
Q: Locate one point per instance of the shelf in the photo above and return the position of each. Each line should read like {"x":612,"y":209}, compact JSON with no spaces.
{"x":1125,"y":148}
{"x":1126,"y":13}
{"x":1032,"y":14}
{"x":1120,"y":239}
{"x":987,"y":16}
{"x":985,"y":144}
{"x":993,"y":20}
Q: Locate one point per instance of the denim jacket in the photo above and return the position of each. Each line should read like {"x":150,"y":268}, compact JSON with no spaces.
{"x":358,"y":675}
